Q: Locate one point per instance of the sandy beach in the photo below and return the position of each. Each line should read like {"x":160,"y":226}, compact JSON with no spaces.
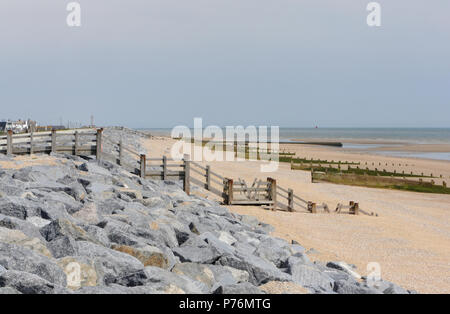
{"x":410,"y":238}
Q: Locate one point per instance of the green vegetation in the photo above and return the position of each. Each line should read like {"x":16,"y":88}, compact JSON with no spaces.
{"x":358,"y":171}
{"x":379,"y":182}
{"x":315,"y":161}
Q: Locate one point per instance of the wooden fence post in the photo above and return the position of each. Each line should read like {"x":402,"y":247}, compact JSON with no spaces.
{"x":99,"y":144}
{"x":164,"y":159}
{"x":75,"y":147}
{"x":143,"y":165}
{"x":187,"y":175}
{"x":208,"y":178}
{"x":290,"y":200}
{"x":9,"y":143}
{"x":53,"y":141}
{"x":356,"y":209}
{"x":273,"y":192}
{"x":228,"y":191}
{"x":31,"y":143}
{"x":352,"y":207}
{"x":120,"y":153}
{"x":312,"y":208}
{"x":444,"y":184}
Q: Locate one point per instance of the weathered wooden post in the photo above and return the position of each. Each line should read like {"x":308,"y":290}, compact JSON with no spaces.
{"x":9,"y":143}
{"x":228,"y":191}
{"x":143,"y":165}
{"x":120,"y":153}
{"x":99,"y":144}
{"x":312,"y":207}
{"x":208,"y":178}
{"x":31,"y":143}
{"x":356,"y":209}
{"x":290,"y":200}
{"x":164,"y":159}
{"x":292,"y":164}
{"x":187,"y":175}
{"x":273,"y":192}
{"x":53,"y":141}
{"x":75,"y":146}
{"x":444,"y":184}
{"x":312,"y":175}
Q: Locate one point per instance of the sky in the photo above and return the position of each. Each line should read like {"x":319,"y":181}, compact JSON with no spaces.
{"x":291,"y":63}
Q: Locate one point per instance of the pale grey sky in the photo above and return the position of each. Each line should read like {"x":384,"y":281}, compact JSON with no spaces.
{"x":159,"y":63}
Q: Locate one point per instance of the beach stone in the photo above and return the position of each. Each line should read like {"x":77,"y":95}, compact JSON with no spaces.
{"x":14,"y":257}
{"x":309,"y":276}
{"x":238,"y":275}
{"x":260,"y":270}
{"x":238,"y":288}
{"x":2,"y":269}
{"x":98,"y":234}
{"x":147,"y":255}
{"x":12,"y":206}
{"x":344,"y":287}
{"x":61,"y":227}
{"x":63,"y":246}
{"x":88,"y":214}
{"x":38,"y":221}
{"x":195,"y":250}
{"x":109,"y":264}
{"x":198,"y":272}
{"x":218,"y":245}
{"x":226,"y":237}
{"x":93,"y":168}
{"x":274,"y":250}
{"x":80,"y":272}
{"x":26,"y":283}
{"x":18,"y":224}
{"x":19,"y":238}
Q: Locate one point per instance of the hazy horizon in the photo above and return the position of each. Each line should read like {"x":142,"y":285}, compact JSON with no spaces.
{"x":160,"y":63}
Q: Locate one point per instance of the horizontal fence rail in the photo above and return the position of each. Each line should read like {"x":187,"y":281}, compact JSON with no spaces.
{"x":77,"y":142}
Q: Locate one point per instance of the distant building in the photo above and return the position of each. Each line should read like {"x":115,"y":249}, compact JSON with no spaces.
{"x":3,"y":126}
{"x":19,"y":126}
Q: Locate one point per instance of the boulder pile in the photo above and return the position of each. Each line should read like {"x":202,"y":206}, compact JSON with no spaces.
{"x":86,"y":227}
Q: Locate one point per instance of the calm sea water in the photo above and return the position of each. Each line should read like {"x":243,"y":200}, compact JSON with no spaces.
{"x":348,"y":136}
{"x":417,"y":135}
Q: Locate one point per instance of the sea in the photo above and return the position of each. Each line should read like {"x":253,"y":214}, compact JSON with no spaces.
{"x":360,"y":139}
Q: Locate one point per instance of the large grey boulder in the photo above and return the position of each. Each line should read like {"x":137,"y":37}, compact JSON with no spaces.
{"x":63,"y":246}
{"x":110,"y":264}
{"x":345,"y":287}
{"x":14,"y":257}
{"x":260,"y":270}
{"x":28,"y":283}
{"x":309,"y":276}
{"x":167,"y":282}
{"x":195,"y":250}
{"x":62,"y":227}
{"x":210,"y":275}
{"x":14,"y":207}
{"x":274,"y":250}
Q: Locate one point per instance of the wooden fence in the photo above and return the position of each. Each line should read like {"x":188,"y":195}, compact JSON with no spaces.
{"x":76,"y":142}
